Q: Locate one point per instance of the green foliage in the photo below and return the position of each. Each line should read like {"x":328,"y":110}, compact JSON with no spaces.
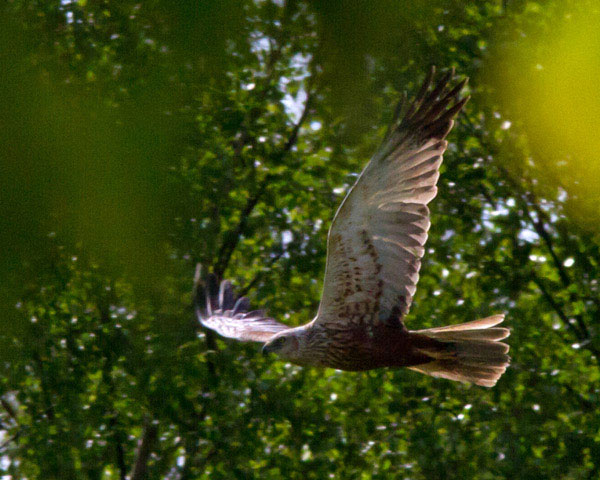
{"x":138,"y":139}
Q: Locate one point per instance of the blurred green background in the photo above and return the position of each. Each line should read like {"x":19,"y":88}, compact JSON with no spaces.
{"x":140,"y":138}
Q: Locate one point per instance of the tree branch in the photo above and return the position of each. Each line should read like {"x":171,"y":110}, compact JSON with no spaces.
{"x":564,"y":277}
{"x":211,"y":344}
{"x":293,"y":137}
{"x":582,"y":336}
{"x":145,"y":446}
{"x":528,"y":201}
{"x":233,"y":237}
{"x":9,"y":409}
{"x":13,"y":415}
{"x":556,"y":307}
{"x":274,"y":259}
{"x":545,"y":236}
{"x":120,"y":452}
{"x":45,"y":393}
{"x":102,"y":305}
{"x":191,"y":450}
{"x":118,"y":444}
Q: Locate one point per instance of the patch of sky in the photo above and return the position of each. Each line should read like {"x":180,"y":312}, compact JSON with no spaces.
{"x":294,"y":105}
{"x":500,"y":211}
{"x":562,"y":195}
{"x":569,"y":262}
{"x":528,"y":235}
{"x":259,"y":43}
{"x":286,"y":238}
{"x":448,"y":234}
{"x":547,"y":206}
{"x":489,"y":225}
{"x":489,"y":211}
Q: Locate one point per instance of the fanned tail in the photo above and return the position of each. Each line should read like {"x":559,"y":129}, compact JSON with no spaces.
{"x":471,"y":352}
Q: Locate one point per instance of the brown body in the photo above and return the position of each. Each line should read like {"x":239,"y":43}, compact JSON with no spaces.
{"x":372,"y":347}
{"x":467,"y":352}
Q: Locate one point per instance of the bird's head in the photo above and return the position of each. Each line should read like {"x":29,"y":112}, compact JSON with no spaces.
{"x":286,"y":344}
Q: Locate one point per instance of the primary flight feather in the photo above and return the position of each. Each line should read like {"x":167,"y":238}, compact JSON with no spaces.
{"x":374,"y":251}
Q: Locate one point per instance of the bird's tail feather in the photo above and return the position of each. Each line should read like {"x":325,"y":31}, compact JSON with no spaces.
{"x":471,"y":352}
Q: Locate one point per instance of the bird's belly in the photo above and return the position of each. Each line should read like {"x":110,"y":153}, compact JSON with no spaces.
{"x":363,"y":349}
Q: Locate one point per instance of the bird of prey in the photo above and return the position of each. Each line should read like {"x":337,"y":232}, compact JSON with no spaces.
{"x":374,"y":251}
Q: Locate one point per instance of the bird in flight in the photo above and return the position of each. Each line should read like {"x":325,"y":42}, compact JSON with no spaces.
{"x":374,"y":250}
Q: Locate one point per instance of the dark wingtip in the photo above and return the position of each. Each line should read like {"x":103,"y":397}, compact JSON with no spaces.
{"x":212,"y":293}
{"x":205,"y":293}
{"x":209,"y":297}
{"x":226,"y":297}
{"x":241,"y":306}
{"x":199,"y":298}
{"x":212,"y":283}
{"x":435,"y":116}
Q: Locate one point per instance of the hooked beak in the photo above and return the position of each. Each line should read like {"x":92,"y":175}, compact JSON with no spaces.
{"x":265,"y":349}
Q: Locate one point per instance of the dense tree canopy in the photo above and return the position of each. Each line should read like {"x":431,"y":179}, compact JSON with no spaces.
{"x":139,"y":139}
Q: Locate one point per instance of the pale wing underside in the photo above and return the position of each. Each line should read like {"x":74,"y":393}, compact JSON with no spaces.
{"x":378,"y":235}
{"x":217,"y":309}
{"x":245,"y":329}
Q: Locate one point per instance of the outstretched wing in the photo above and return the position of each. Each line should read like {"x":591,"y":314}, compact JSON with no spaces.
{"x":377,"y":238}
{"x":218,"y":309}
